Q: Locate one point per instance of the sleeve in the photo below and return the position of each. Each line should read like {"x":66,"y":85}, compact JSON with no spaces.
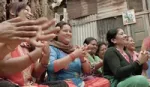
{"x":52,"y":58}
{"x":113,"y":62}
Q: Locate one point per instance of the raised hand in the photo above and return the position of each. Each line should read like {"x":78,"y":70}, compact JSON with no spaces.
{"x":79,"y":52}
{"x":44,"y":34}
{"x":10,"y":32}
{"x":45,"y":53}
{"x":143,"y":57}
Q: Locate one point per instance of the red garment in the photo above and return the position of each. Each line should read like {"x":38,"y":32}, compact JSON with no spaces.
{"x":97,"y":82}
{"x":18,"y":77}
{"x":93,"y":82}
{"x":23,"y":78}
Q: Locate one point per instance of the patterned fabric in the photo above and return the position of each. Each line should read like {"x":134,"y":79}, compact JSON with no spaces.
{"x":23,"y":78}
{"x":72,"y":74}
{"x":94,"y":61}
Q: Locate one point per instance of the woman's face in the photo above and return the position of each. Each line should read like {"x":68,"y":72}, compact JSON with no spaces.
{"x":131,"y":44}
{"x":65,"y":34}
{"x":25,"y":13}
{"x":102,"y":50}
{"x":92,"y":46}
{"x":120,"y":38}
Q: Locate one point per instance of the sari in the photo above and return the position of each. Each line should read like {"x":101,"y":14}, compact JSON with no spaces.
{"x":23,"y":78}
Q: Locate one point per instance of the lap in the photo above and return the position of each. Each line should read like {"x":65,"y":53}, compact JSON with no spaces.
{"x":97,"y":82}
{"x":134,"y":81}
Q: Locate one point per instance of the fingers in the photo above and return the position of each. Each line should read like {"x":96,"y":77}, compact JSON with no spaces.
{"x":48,"y":24}
{"x":17,"y":19}
{"x":28,"y":28}
{"x":36,"y":43}
{"x":32,"y":22}
{"x":46,"y":37}
{"x":25,"y":23}
{"x":25,"y":34}
{"x":19,"y":39}
{"x":49,"y":31}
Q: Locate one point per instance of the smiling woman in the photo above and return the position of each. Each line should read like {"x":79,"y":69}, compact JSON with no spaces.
{"x":20,"y":9}
{"x":69,"y":63}
{"x":119,"y":67}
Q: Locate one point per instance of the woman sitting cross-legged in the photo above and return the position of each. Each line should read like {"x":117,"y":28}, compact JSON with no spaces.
{"x":119,"y":67}
{"x":67,"y":63}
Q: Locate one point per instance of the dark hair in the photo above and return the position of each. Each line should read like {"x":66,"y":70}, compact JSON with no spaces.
{"x":61,"y":24}
{"x":99,"y":46}
{"x":111,"y":34}
{"x":88,"y":40}
{"x":15,"y":7}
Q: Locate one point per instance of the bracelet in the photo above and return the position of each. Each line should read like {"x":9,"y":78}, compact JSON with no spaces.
{"x":84,"y":61}
{"x":72,"y":56}
{"x":30,"y":58}
{"x":138,"y":62}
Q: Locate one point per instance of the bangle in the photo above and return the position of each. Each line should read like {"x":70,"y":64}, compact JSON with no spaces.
{"x":138,"y":62}
{"x":83,"y":61}
{"x":72,"y":56}
{"x":30,"y":58}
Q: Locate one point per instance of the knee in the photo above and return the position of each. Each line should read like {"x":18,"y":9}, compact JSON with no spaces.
{"x":136,"y":81}
{"x":139,"y":79}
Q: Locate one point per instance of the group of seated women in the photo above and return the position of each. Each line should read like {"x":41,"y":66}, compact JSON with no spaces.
{"x":34,"y":56}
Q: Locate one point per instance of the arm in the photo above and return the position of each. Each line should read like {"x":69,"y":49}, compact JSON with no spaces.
{"x":8,"y":65}
{"x":86,"y":65}
{"x":41,"y":65}
{"x":39,"y":69}
{"x":98,"y":65}
{"x":57,"y":64}
{"x":113,"y":62}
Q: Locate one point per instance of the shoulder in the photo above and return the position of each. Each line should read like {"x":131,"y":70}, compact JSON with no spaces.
{"x":111,"y":49}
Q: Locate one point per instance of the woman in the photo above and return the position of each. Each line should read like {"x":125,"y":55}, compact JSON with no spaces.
{"x":118,"y":67}
{"x":67,"y":63}
{"x":95,"y":62}
{"x":102,"y":47}
{"x":130,"y":48}
{"x":24,"y":65}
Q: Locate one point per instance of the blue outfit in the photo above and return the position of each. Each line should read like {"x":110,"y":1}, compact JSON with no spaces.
{"x":73,"y":72}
